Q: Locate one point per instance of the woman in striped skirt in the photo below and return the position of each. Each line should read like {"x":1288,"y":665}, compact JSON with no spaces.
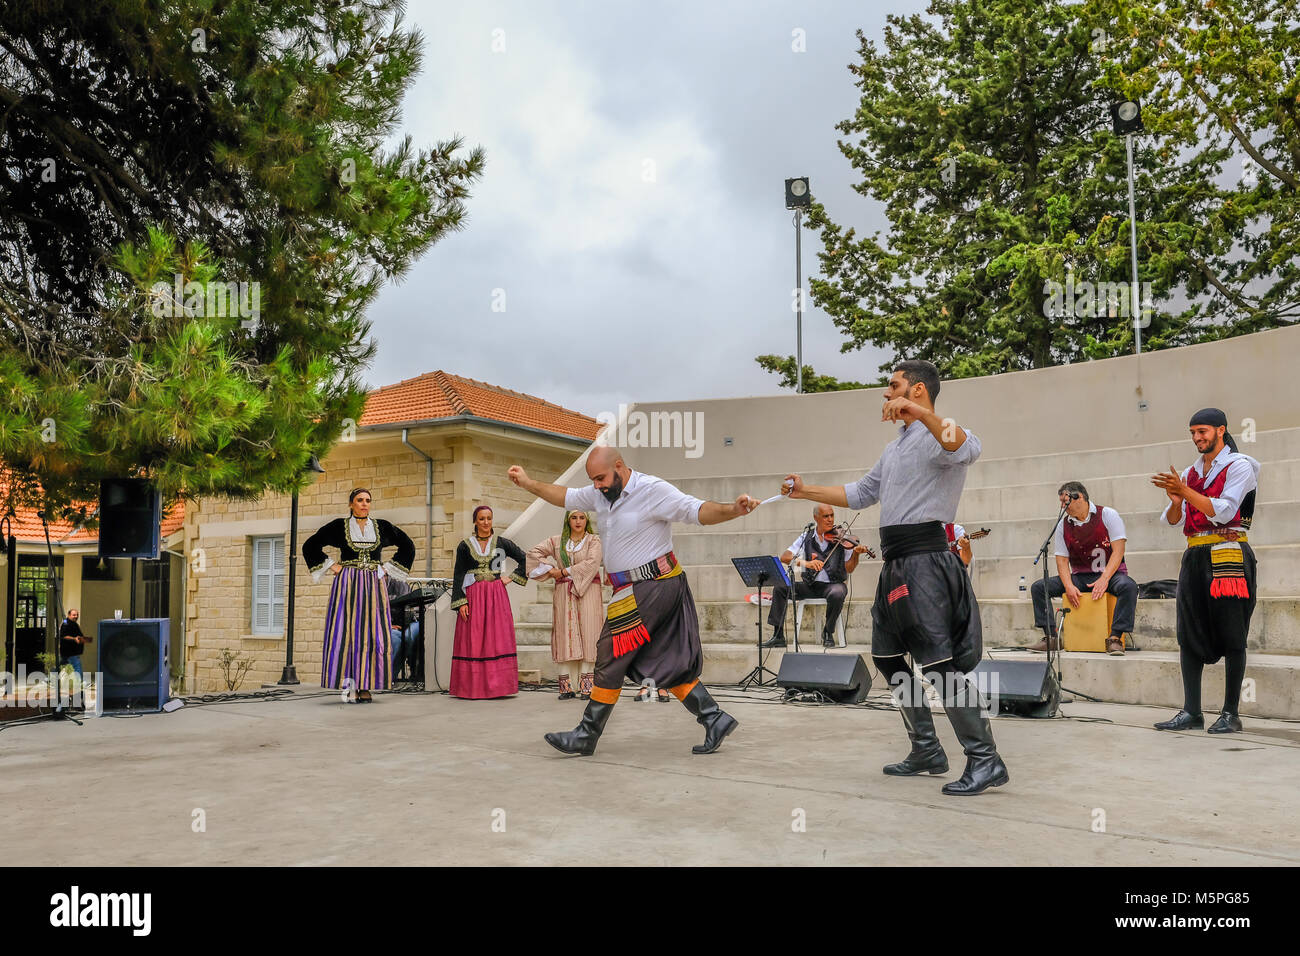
{"x":358,"y":626}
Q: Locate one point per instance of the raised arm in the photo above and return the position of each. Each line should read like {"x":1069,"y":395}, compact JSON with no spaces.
{"x":551,"y":494}
{"x":826,"y":494}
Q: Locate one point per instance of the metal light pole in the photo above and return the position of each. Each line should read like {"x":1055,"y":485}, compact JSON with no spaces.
{"x":1126,"y":120}
{"x":1133,"y":248}
{"x":290,"y":674}
{"x":798,"y":284}
{"x":798,"y":197}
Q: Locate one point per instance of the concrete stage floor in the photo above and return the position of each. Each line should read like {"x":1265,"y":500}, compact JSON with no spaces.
{"x":426,"y":779}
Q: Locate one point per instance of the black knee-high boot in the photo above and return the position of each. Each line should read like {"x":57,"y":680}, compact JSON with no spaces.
{"x":1234,"y":672}
{"x":1190,"y":717}
{"x":715,"y":721}
{"x":927,"y":754}
{"x":582,"y":739}
{"x":984,"y":768}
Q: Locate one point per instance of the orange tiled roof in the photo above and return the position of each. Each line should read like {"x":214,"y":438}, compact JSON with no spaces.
{"x":436,"y":395}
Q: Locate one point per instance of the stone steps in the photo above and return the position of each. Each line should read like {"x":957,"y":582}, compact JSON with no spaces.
{"x":1130,"y":465}
{"x":1274,"y":628}
{"x":994,"y":579}
{"x":1146,"y":677}
{"x":1276,"y":524}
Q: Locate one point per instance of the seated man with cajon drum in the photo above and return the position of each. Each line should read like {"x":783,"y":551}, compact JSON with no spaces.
{"x":1089,"y":557}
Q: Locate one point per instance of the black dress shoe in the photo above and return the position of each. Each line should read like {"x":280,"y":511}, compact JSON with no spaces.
{"x":828,"y":640}
{"x":1182,"y":721}
{"x":568,"y":695}
{"x":716,"y":722}
{"x":1226,"y":724}
{"x":776,"y":640}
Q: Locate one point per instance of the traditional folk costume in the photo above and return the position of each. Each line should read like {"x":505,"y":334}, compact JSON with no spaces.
{"x":830,"y":584}
{"x":357,"y":620}
{"x":577,"y":608}
{"x":1216,"y":582}
{"x":484,"y":656}
{"x":1089,"y":545}
{"x":651,"y":633}
{"x":925,"y":606}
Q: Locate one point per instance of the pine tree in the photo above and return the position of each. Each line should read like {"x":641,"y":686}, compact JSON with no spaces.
{"x":1225,"y":77}
{"x":984,"y":128}
{"x":163,"y":159}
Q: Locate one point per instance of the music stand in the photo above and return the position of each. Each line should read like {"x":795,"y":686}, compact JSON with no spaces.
{"x":757,"y":571}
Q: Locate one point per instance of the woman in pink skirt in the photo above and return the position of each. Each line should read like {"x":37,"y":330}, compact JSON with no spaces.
{"x":484,"y":659}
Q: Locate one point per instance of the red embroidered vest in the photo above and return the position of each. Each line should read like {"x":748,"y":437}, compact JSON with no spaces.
{"x":1089,"y":545}
{"x":1197,"y":523}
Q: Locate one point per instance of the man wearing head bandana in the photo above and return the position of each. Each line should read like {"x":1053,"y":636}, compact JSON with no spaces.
{"x":1214,"y":499}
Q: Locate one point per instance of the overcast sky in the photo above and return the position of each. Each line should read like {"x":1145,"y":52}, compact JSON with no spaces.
{"x":619,"y":289}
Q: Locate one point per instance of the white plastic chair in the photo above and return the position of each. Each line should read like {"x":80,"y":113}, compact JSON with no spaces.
{"x":839,"y":624}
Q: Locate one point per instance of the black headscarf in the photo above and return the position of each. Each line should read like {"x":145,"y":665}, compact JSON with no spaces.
{"x":1214,"y":417}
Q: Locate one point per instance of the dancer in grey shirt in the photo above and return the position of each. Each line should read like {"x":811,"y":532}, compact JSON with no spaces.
{"x":924,"y":605}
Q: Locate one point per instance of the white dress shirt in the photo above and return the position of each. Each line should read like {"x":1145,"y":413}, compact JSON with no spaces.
{"x":638,"y":527}
{"x":1109,"y":517}
{"x":1243,"y":478}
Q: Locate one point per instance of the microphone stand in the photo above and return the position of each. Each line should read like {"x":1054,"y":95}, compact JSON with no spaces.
{"x":1053,"y":661}
{"x":810,"y":528}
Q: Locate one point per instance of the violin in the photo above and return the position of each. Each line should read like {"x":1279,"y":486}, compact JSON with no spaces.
{"x":977,"y":534}
{"x":839,"y":534}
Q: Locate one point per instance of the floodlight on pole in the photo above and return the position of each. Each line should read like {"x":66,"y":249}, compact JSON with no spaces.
{"x":798,"y":196}
{"x":1126,"y":120}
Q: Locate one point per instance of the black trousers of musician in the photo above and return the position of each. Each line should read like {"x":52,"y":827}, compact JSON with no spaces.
{"x":834,"y":593}
{"x":1121,"y":585}
{"x":1210,"y":628}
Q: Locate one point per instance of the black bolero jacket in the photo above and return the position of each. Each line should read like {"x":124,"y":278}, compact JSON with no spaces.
{"x":360,"y":554}
{"x":486,"y":567}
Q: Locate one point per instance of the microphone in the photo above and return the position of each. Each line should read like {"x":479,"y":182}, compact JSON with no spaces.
{"x":1075,"y":496}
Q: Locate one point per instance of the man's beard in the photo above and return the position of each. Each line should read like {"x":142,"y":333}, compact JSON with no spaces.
{"x":614,"y":490}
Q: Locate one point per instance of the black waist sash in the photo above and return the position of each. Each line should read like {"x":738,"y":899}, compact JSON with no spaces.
{"x":901,"y":540}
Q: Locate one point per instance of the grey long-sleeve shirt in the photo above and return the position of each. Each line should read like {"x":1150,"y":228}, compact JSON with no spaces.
{"x":916,"y":479}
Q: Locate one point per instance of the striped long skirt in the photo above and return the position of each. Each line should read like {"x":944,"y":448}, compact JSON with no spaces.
{"x":358,"y":632}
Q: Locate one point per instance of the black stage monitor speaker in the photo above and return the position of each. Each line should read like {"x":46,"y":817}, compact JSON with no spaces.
{"x":133,"y":659}
{"x":129,"y":512}
{"x":843,"y":678}
{"x":1026,"y":688}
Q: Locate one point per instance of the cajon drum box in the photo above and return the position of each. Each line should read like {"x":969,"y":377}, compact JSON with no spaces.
{"x":1087,"y":626}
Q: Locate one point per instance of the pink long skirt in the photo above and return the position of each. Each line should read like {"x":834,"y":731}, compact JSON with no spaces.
{"x":484,"y":659}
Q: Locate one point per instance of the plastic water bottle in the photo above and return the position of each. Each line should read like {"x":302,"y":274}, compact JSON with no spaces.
{"x":1022,"y":582}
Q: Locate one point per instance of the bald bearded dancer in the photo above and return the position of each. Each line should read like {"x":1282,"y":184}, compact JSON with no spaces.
{"x":1214,"y":501}
{"x":925,"y":605}
{"x":651,"y":631}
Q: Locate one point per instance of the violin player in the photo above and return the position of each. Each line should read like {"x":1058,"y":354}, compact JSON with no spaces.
{"x":825,"y":562}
